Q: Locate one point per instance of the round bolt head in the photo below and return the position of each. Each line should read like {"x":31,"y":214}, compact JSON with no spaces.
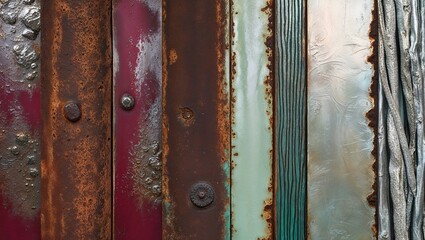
{"x":202,"y":194}
{"x":72,"y":111}
{"x":127,"y":102}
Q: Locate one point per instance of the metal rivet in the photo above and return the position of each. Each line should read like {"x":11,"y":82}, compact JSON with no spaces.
{"x":202,"y":194}
{"x":127,"y":102}
{"x":186,"y":113}
{"x":72,"y":111}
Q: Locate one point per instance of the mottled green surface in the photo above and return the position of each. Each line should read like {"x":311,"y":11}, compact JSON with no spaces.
{"x":251,"y":126}
{"x":340,"y":142}
{"x":291,"y":111}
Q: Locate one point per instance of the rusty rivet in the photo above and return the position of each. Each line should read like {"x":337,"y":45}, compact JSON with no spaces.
{"x":127,"y":102}
{"x":202,"y":194}
{"x":186,"y":113}
{"x":72,"y":111}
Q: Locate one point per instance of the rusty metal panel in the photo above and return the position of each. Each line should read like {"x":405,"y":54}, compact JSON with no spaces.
{"x":137,"y":119}
{"x":342,"y":138}
{"x":196,"y":141}
{"x":76,"y":136}
{"x":20,"y":120}
{"x":252,"y":119}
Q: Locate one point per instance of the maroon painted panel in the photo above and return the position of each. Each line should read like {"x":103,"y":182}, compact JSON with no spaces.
{"x":19,"y":120}
{"x":137,"y":131}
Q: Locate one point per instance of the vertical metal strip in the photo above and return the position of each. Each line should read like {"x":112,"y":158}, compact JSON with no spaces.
{"x":137,"y":119}
{"x":342,"y":138}
{"x":252,"y":119}
{"x":20,"y":120}
{"x":196,"y":129}
{"x":291,"y":115}
{"x":76,"y":136}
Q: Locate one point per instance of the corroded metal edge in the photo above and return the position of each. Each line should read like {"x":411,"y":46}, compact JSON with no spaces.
{"x":76,"y":156}
{"x":373,"y":114}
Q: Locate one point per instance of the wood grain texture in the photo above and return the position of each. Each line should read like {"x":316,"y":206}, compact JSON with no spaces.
{"x":290,"y":119}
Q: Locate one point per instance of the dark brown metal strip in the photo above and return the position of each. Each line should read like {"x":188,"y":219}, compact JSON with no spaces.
{"x":76,"y":102}
{"x":196,"y":139}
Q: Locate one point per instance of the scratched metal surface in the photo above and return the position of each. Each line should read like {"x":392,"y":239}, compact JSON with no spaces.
{"x":252,"y":119}
{"x":196,"y":128}
{"x":76,"y":167}
{"x":137,"y":132}
{"x":340,"y":140}
{"x":19,"y":119}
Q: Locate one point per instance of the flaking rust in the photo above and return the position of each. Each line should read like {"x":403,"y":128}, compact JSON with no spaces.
{"x":372,"y":115}
{"x":269,"y":205}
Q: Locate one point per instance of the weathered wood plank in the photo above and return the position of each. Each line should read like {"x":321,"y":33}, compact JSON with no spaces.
{"x":291,"y":115}
{"x":252,"y":119}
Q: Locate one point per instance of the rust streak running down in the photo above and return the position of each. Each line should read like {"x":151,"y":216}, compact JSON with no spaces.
{"x":76,"y":155}
{"x":195,"y":120}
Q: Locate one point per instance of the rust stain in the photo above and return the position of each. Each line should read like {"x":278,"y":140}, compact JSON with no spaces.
{"x":372,"y":115}
{"x":173,"y":56}
{"x":76,"y":175}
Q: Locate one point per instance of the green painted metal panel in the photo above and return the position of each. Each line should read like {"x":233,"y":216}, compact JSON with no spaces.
{"x":340,"y":141}
{"x":291,"y":115}
{"x":252,"y":119}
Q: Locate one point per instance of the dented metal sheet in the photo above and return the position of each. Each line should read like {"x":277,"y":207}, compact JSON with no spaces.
{"x":196,"y":129}
{"x":137,"y":119}
{"x":19,"y":120}
{"x":76,"y":136}
{"x":252,"y":119}
{"x":340,"y":140}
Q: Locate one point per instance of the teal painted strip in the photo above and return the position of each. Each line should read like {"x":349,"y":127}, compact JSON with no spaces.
{"x":340,"y":142}
{"x":291,"y":112}
{"x":252,"y":112}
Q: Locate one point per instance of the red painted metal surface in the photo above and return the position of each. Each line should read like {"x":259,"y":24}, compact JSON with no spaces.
{"x":137,"y":132}
{"x":19,"y":121}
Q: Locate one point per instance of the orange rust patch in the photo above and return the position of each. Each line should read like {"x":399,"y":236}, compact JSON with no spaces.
{"x":173,"y":56}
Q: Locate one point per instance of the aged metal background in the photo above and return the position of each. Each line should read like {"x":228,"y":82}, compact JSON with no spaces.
{"x":209,"y":108}
{"x":76,"y":155}
{"x":137,"y":125}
